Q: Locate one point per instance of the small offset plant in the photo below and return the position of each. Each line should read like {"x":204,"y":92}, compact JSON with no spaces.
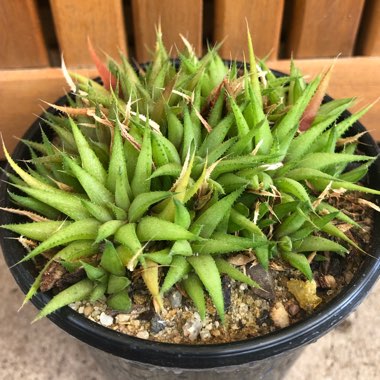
{"x":165,"y":170}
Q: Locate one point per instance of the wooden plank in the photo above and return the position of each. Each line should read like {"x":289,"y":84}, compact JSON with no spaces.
{"x":100,"y":20}
{"x":264,"y":19}
{"x":323,"y":28}
{"x":369,"y":43}
{"x":19,"y":107}
{"x":21,"y":39}
{"x":352,"y":77}
{"x":358,"y":77}
{"x":175,"y":16}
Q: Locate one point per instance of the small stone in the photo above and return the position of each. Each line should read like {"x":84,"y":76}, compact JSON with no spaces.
{"x":205,"y":334}
{"x":75,"y":305}
{"x":105,"y":320}
{"x":327,"y":282}
{"x":81,"y":310}
{"x":293,"y":309}
{"x":348,"y":276}
{"x":142,"y":335}
{"x":123,"y":319}
{"x":175,"y":299}
{"x":192,"y":327}
{"x":263,"y":316}
{"x":226,"y":287}
{"x":95,"y":313}
{"x":279,"y":315}
{"x":157,"y":324}
{"x":135,"y":323}
{"x":243,"y":309}
{"x":87,"y":310}
{"x":264,"y":279}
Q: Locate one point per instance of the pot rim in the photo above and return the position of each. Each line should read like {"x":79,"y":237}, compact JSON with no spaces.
{"x":209,"y":355}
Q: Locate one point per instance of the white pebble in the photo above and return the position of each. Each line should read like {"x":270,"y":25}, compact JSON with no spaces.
{"x":105,"y":320}
{"x":243,"y":309}
{"x":95,"y":313}
{"x":123,"y":318}
{"x":143,"y":335}
{"x":279,"y":315}
{"x":205,"y":334}
{"x":175,"y":299}
{"x":75,"y":305}
{"x":192,"y":327}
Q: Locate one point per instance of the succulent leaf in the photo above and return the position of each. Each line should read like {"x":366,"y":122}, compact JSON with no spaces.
{"x":167,"y":169}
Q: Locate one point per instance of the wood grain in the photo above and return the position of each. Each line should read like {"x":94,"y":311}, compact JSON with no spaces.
{"x":352,"y":77}
{"x":369,"y":43}
{"x":100,"y":20}
{"x":21,"y":39}
{"x":323,"y":28}
{"x":22,"y":91}
{"x":264,"y":19}
{"x":358,"y":77}
{"x":175,"y":16}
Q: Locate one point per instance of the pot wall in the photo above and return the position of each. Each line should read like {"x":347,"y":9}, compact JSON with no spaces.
{"x":267,"y":356}
{"x":273,"y":368}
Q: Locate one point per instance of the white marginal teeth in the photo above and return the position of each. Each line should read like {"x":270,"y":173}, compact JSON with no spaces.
{"x":275,"y":166}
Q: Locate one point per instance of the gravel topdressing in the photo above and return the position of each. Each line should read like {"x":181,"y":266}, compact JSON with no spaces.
{"x":284,"y":299}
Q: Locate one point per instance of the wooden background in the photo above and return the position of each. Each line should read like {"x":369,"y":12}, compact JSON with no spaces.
{"x":34,"y":33}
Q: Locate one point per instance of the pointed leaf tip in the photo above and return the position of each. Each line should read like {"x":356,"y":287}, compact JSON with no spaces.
{"x":67,"y":76}
{"x":107,"y":78}
{"x":311,"y":110}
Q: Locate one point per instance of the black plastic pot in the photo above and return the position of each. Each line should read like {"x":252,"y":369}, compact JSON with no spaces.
{"x":266,"y":357}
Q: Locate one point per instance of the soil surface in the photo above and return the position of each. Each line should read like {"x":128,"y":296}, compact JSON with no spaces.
{"x":285,"y":298}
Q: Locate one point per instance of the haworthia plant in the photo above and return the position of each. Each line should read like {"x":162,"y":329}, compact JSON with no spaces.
{"x":168,"y":172}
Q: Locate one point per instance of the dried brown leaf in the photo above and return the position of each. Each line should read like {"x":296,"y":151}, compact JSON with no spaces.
{"x":241,"y":259}
{"x":70,"y":110}
{"x":372,"y":205}
{"x":344,"y":227}
{"x":350,"y":139}
{"x":312,"y":108}
{"x":107,"y":78}
{"x":323,"y":195}
{"x":275,"y":266}
{"x":29,"y":214}
{"x":203,"y":120}
{"x":51,"y":276}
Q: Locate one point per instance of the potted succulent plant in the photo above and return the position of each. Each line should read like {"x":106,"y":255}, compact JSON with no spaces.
{"x":192,"y":179}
